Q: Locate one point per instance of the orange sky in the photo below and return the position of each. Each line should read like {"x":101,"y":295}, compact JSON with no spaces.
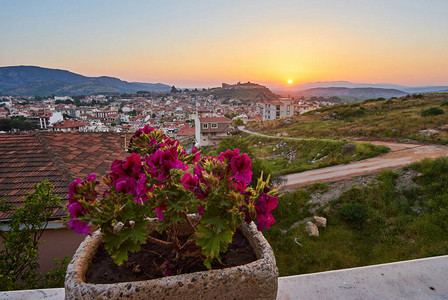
{"x":199,"y":44}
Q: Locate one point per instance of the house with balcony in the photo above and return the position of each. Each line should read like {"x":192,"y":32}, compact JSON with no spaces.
{"x":210,"y":128}
{"x":282,"y":108}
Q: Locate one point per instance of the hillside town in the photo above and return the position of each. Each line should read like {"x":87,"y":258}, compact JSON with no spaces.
{"x":177,"y":114}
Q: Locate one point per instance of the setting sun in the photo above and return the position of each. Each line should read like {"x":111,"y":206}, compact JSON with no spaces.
{"x":289,"y":81}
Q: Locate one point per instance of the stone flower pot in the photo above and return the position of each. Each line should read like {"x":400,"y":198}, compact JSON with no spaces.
{"x":255,"y":280}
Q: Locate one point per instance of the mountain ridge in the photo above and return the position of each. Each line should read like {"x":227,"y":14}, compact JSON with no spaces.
{"x":39,"y":81}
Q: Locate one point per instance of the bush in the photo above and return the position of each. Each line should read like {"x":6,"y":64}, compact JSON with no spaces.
{"x":444,"y":103}
{"x":18,"y":260}
{"x":348,"y":148}
{"x":433,"y":111}
{"x":354,"y":213}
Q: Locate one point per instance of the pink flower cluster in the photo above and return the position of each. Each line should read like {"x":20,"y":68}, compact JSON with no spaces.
{"x":239,"y":165}
{"x":159,"y":163}
{"x":78,"y":190}
{"x":264,"y":206}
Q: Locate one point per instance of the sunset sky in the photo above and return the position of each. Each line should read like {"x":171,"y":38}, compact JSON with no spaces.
{"x":203,"y":43}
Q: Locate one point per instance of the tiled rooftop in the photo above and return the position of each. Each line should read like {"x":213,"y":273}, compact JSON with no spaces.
{"x":27,"y":159}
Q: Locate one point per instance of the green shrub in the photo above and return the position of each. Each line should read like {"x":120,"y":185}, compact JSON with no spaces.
{"x":19,"y":259}
{"x":354,"y":213}
{"x":433,"y":111}
{"x":444,"y":103}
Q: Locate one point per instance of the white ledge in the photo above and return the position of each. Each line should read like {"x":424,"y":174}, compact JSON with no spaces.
{"x":425,"y":278}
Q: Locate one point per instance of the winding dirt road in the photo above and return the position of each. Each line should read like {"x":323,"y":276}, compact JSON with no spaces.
{"x":398,"y":156}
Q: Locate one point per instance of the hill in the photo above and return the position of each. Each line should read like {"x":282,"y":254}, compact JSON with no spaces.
{"x":38,"y":81}
{"x":358,"y":94}
{"x":348,"y":84}
{"x":400,"y":118}
{"x":246,"y":92}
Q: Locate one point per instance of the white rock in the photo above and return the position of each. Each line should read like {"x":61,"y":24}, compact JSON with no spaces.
{"x":312,"y":229}
{"x":320,"y":221}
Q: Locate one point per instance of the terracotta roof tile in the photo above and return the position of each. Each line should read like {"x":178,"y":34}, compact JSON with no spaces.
{"x":28,"y":159}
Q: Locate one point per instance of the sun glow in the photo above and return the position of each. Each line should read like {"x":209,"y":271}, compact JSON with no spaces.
{"x":289,"y":81}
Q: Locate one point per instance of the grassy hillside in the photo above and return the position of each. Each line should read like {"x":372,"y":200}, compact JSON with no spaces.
{"x":390,"y":219}
{"x":396,"y":118}
{"x":282,"y":156}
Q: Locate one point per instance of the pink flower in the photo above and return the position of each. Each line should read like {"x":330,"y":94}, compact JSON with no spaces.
{"x":125,"y":174}
{"x":161,"y":162}
{"x":197,"y":157}
{"x":78,"y":226}
{"x":76,"y":210}
{"x":200,"y":210}
{"x":265,"y":204}
{"x":159,"y":210}
{"x":228,"y":154}
{"x":72,"y":190}
{"x":242,"y":165}
{"x":190,"y":182}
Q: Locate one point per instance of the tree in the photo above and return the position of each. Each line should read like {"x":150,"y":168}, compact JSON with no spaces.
{"x":238,"y":122}
{"x":18,"y":260}
{"x":20,"y":123}
{"x":173,"y":89}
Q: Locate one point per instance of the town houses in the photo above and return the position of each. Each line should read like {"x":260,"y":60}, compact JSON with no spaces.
{"x":198,"y":116}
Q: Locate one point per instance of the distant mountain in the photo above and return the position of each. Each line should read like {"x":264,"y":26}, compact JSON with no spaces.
{"x":352,"y":93}
{"x":348,"y":84}
{"x":37,"y":81}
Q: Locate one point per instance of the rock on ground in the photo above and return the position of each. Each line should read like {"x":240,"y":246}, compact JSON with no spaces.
{"x":320,"y":221}
{"x":312,"y":229}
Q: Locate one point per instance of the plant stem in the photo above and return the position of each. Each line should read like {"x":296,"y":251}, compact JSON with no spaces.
{"x":159,"y":242}
{"x":189,"y":221}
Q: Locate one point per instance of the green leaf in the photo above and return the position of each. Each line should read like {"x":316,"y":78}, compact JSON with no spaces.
{"x":136,"y":234}
{"x":121,"y":254}
{"x":111,"y":241}
{"x":127,"y":213}
{"x":213,"y":243}
{"x":213,"y":221}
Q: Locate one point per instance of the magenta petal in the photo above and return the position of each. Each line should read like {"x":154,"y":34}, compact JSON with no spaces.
{"x":79,"y":227}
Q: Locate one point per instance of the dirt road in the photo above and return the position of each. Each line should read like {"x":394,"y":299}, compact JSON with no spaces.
{"x":399,"y":156}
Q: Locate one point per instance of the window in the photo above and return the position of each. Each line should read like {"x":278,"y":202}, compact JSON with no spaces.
{"x":214,"y":125}
{"x":205,"y":126}
{"x":288,"y":108}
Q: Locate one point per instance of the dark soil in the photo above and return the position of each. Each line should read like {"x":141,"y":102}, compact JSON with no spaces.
{"x":155,"y":261}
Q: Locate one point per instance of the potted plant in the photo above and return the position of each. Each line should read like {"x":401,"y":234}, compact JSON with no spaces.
{"x":199,"y":204}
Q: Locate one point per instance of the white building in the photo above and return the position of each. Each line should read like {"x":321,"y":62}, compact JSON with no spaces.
{"x":282,"y":108}
{"x":210,"y":128}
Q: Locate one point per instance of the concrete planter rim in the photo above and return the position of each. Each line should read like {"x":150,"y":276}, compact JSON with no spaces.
{"x":261,"y":273}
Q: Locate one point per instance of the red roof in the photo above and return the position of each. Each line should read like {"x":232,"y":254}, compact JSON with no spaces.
{"x":215,"y":119}
{"x":28,"y":159}
{"x":69,"y":124}
{"x":186,"y":131}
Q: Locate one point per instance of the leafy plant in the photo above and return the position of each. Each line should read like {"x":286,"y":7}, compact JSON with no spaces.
{"x":154,"y":179}
{"x":18,"y":259}
{"x":354,"y":213}
{"x":433,"y":111}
